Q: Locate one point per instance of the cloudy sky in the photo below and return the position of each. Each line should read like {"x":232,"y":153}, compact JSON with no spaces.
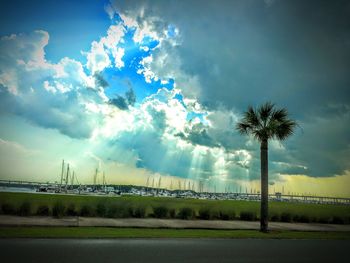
{"x":150,"y":89}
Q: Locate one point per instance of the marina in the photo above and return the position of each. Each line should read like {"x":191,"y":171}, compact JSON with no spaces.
{"x":121,"y":190}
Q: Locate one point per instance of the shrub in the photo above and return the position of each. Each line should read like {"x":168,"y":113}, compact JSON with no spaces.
{"x":214,"y":214}
{"x":275,"y":218}
{"x":227,"y":215}
{"x":186,"y":213}
{"x":24,"y":209}
{"x":160,"y":211}
{"x":324,"y":220}
{"x":247,"y":215}
{"x":140,"y":212}
{"x":128,"y":212}
{"x":204,"y":213}
{"x":58,"y":210}
{"x":207,"y":214}
{"x":314,"y":219}
{"x":71,"y":210}
{"x":120,"y":211}
{"x":125,"y":211}
{"x":295,"y":218}
{"x":337,"y":220}
{"x":86,"y":210}
{"x":101,"y":209}
{"x":304,"y":219}
{"x":8,"y":209}
{"x":43,"y":210}
{"x":112,"y":211}
{"x":286,"y":217}
{"x":172,"y":213}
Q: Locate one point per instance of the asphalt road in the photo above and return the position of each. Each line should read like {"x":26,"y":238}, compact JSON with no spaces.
{"x":173,"y":250}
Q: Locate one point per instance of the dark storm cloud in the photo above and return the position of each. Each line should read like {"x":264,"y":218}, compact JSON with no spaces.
{"x":130,"y":97}
{"x":325,"y":144}
{"x":294,"y":53}
{"x":100,"y":80}
{"x":198,"y":135}
{"x":120,"y":102}
{"x":246,"y":52}
{"x":123,"y":103}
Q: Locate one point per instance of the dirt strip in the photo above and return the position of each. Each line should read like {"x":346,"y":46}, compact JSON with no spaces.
{"x":163,"y":223}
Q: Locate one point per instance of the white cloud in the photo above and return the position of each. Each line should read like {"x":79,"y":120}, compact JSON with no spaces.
{"x":146,"y":71}
{"x":144,"y":28}
{"x":47,"y":94}
{"x":129,"y":21}
{"x":25,"y":52}
{"x":49,"y":88}
{"x":115,"y":34}
{"x":99,"y":56}
{"x":165,"y":62}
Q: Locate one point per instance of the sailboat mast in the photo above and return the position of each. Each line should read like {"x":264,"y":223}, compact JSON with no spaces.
{"x":95,"y":179}
{"x":62,"y":174}
{"x":67,"y":176}
{"x":104,"y":181}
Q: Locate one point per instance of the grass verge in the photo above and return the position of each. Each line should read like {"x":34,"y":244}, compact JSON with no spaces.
{"x":108,"y":232}
{"x":140,"y":207}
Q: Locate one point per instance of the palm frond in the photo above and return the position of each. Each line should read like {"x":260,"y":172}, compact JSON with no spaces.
{"x":243,"y":128}
{"x":266,"y":123}
{"x":260,"y":134}
{"x":279,"y":115}
{"x":284,"y":129}
{"x":265,"y":111}
{"x":251,"y":117}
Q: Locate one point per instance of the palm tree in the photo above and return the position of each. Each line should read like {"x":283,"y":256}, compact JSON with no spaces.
{"x":265,"y":123}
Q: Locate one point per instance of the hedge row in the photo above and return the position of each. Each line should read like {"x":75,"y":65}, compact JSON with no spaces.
{"x":292,"y":218}
{"x":61,"y":210}
{"x":125,"y":211}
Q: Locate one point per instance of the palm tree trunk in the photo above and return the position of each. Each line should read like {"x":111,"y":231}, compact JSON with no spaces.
{"x":264,"y":186}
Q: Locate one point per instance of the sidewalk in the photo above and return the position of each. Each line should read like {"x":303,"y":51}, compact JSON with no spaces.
{"x":163,"y":223}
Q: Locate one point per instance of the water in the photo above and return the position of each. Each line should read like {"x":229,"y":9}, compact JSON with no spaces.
{"x":17,"y":189}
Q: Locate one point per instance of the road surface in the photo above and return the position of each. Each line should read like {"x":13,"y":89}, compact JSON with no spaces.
{"x":172,"y":250}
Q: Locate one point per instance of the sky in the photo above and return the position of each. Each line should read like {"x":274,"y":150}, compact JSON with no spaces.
{"x":144,"y":90}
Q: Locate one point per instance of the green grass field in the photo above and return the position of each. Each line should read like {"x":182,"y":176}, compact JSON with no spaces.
{"x":107,"y":232}
{"x":275,"y":208}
